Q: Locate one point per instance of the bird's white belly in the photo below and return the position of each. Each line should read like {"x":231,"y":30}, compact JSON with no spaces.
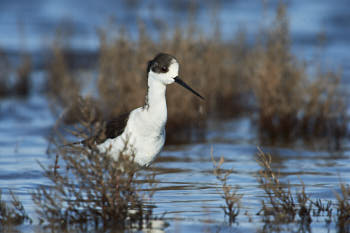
{"x":145,"y":146}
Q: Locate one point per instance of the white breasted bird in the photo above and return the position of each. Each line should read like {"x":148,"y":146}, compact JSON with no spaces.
{"x":141,"y":132}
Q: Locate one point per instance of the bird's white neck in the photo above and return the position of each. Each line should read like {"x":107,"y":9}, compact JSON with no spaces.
{"x":155,"y":101}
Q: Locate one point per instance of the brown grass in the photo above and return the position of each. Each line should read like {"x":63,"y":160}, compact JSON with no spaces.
{"x":343,"y":208}
{"x":12,"y":215}
{"x":291,"y":102}
{"x":62,"y":84}
{"x":281,"y":208}
{"x":280,"y":203}
{"x":92,"y":191}
{"x":229,"y":193}
{"x":4,"y":67}
{"x":23,"y":71}
{"x":15,"y":79}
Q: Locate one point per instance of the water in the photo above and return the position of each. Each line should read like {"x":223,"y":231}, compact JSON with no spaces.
{"x":188,"y":192}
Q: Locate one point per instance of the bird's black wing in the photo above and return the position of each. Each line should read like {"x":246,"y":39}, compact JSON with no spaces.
{"x":112,"y":129}
{"x":115,"y":127}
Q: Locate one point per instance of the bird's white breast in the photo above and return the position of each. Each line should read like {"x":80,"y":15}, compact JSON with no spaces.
{"x":143,"y":137}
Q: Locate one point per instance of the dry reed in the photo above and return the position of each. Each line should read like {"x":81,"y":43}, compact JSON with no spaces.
{"x":291,"y":102}
{"x":4,"y":67}
{"x":343,"y":208}
{"x":229,"y":193}
{"x":12,"y":215}
{"x":281,"y":208}
{"x":62,"y":84}
{"x":15,"y":79}
{"x":280,"y":203}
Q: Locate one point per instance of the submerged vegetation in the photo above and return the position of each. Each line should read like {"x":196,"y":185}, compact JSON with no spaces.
{"x":343,"y":208}
{"x":286,"y":210}
{"x":15,"y":79}
{"x":281,"y":205}
{"x":229,"y":193}
{"x":12,"y":215}
{"x":291,"y":102}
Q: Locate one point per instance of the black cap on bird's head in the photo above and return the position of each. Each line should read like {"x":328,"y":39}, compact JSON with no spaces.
{"x":166,"y":69}
{"x":161,"y":63}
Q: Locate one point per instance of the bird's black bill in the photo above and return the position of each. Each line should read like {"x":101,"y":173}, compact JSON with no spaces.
{"x":182,"y":83}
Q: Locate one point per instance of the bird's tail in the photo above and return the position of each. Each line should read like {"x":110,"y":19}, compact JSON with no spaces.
{"x":72,"y":144}
{"x":89,"y":142}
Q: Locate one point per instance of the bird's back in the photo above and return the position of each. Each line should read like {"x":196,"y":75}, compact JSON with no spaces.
{"x":109,"y":130}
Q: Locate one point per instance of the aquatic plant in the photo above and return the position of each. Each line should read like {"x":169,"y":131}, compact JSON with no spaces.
{"x":89,"y":190}
{"x":4,"y":66}
{"x":343,"y":208}
{"x":12,"y":215}
{"x":291,"y":102}
{"x":23,"y":71}
{"x":280,"y":203}
{"x":15,"y":79}
{"x":62,"y":84}
{"x":228,"y":193}
{"x":282,"y":208}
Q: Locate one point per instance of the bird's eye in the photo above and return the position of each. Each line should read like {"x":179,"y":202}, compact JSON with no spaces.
{"x":164,"y":69}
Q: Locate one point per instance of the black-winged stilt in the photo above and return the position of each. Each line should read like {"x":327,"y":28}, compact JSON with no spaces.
{"x":141,"y":132}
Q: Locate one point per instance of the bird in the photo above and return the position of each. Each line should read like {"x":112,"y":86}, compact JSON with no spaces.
{"x":141,"y":132}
